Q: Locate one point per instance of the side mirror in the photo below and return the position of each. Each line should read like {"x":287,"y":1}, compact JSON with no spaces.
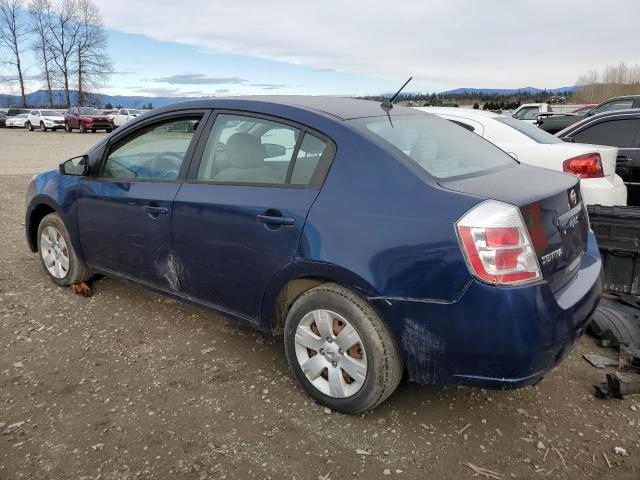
{"x":271,"y":150}
{"x":75,"y":166}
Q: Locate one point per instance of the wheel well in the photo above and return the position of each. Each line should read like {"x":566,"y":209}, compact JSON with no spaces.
{"x":288,"y":294}
{"x":36,"y":217}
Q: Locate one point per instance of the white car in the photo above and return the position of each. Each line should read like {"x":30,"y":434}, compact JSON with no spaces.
{"x":16,"y":121}
{"x":594,"y":164}
{"x":124,"y":115}
{"x":44,"y":120}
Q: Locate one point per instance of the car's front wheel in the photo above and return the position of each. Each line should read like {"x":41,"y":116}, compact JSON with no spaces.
{"x":42,"y":127}
{"x":56,"y":252}
{"x":340,"y":350}
{"x":82,"y":128}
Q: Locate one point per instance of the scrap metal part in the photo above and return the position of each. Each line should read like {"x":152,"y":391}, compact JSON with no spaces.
{"x":616,"y":388}
{"x":615,"y":328}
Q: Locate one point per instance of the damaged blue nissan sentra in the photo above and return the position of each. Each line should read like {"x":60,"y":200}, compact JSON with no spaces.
{"x":377,"y":241}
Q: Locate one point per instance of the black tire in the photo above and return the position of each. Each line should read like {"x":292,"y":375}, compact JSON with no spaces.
{"x":384,"y":363}
{"x":109,"y":130}
{"x":82,"y":128}
{"x":42,"y":127}
{"x":29,"y":126}
{"x":67,"y":128}
{"x":93,"y":130}
{"x":77,"y":272}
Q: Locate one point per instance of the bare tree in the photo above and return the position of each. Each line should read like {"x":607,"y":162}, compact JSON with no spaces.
{"x":40,"y":10}
{"x":614,"y":80}
{"x":93,"y":65}
{"x":63,"y":35}
{"x":13,"y":30}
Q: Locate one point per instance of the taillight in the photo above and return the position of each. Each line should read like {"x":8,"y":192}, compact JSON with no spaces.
{"x":584,"y":166}
{"x":496,"y":244}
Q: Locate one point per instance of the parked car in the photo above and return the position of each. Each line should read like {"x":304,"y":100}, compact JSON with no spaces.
{"x":17,"y":120}
{"x":124,"y":115}
{"x":388,"y":241}
{"x":555,"y":123}
{"x":594,"y":164}
{"x":620,"y":129}
{"x":44,"y":120}
{"x":584,"y":108}
{"x":86,"y":119}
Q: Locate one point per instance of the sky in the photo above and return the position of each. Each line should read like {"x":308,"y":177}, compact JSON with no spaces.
{"x":338,"y":47}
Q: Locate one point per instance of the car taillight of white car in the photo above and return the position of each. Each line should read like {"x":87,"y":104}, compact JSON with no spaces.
{"x":496,"y":244}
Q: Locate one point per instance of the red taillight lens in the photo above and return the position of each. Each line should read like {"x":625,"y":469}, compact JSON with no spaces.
{"x":496,"y":244}
{"x":584,"y":166}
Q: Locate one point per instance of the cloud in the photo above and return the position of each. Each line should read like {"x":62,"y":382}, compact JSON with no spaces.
{"x":268,"y":86}
{"x":199,"y":79}
{"x":457,"y":43}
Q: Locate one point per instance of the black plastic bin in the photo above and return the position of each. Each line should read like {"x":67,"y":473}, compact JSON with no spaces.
{"x":618,"y":232}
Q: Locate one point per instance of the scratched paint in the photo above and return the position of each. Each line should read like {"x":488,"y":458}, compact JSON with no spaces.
{"x":423,"y":349}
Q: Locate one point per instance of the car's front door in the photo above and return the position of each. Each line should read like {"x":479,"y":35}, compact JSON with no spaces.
{"x":238,"y":218}
{"x":124,"y":211}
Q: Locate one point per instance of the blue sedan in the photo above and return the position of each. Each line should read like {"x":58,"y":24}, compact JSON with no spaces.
{"x":378,"y":242}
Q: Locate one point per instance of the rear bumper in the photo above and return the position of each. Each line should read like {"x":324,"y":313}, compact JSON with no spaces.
{"x":608,"y":191}
{"x":494,"y":337}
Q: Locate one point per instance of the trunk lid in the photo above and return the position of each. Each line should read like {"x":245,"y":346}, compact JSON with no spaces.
{"x":552,"y":209}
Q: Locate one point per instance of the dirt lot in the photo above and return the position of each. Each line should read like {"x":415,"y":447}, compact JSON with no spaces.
{"x":130,"y":384}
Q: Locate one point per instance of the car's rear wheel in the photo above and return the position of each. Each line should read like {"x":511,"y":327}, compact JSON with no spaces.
{"x":56,"y":252}
{"x":340,"y":350}
{"x":29,"y":126}
{"x":67,"y":128}
{"x":42,"y":127}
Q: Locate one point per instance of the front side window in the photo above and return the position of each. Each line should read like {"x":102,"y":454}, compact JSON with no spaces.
{"x":251,"y":150}
{"x":155,"y":154}
{"x":616,"y":133}
{"x":439,"y":147}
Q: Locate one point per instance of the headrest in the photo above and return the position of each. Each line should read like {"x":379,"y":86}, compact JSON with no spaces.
{"x":245,"y":151}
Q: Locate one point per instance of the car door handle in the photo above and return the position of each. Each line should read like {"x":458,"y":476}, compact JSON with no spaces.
{"x":275,"y":220}
{"x":154,"y":211}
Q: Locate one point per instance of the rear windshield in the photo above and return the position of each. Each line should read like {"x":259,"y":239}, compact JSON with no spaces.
{"x":443,"y":149}
{"x":534,"y":133}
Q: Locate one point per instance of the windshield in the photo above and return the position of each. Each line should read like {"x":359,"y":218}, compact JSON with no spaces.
{"x":534,"y":133}
{"x":49,"y":113}
{"x":89,"y":111}
{"x":441,"y":148}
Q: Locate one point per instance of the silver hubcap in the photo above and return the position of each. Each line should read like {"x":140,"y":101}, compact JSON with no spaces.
{"x":54,"y":251}
{"x":331,"y":353}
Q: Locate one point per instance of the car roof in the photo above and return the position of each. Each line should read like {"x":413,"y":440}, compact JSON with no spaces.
{"x":632,"y":112}
{"x":339,"y":107}
{"x":462,"y":112}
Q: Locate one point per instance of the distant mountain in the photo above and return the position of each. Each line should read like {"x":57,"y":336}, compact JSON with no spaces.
{"x":39,"y":99}
{"x":507,"y":91}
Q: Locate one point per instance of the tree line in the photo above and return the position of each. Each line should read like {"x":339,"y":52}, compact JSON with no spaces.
{"x":612,"y":81}
{"x":67,"y":39}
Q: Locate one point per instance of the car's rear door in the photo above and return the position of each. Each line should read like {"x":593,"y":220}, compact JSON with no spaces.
{"x":124,"y":209}
{"x":238,"y":217}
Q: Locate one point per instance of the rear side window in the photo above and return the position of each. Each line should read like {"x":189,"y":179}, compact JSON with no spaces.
{"x":251,"y":150}
{"x":439,"y":147}
{"x":527,"y":113}
{"x":617,"y":133}
{"x":155,"y":154}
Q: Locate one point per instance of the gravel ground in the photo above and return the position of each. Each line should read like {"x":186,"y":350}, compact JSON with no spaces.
{"x":130,"y":384}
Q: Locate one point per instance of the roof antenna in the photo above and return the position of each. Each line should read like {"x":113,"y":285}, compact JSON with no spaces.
{"x":388,"y":104}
